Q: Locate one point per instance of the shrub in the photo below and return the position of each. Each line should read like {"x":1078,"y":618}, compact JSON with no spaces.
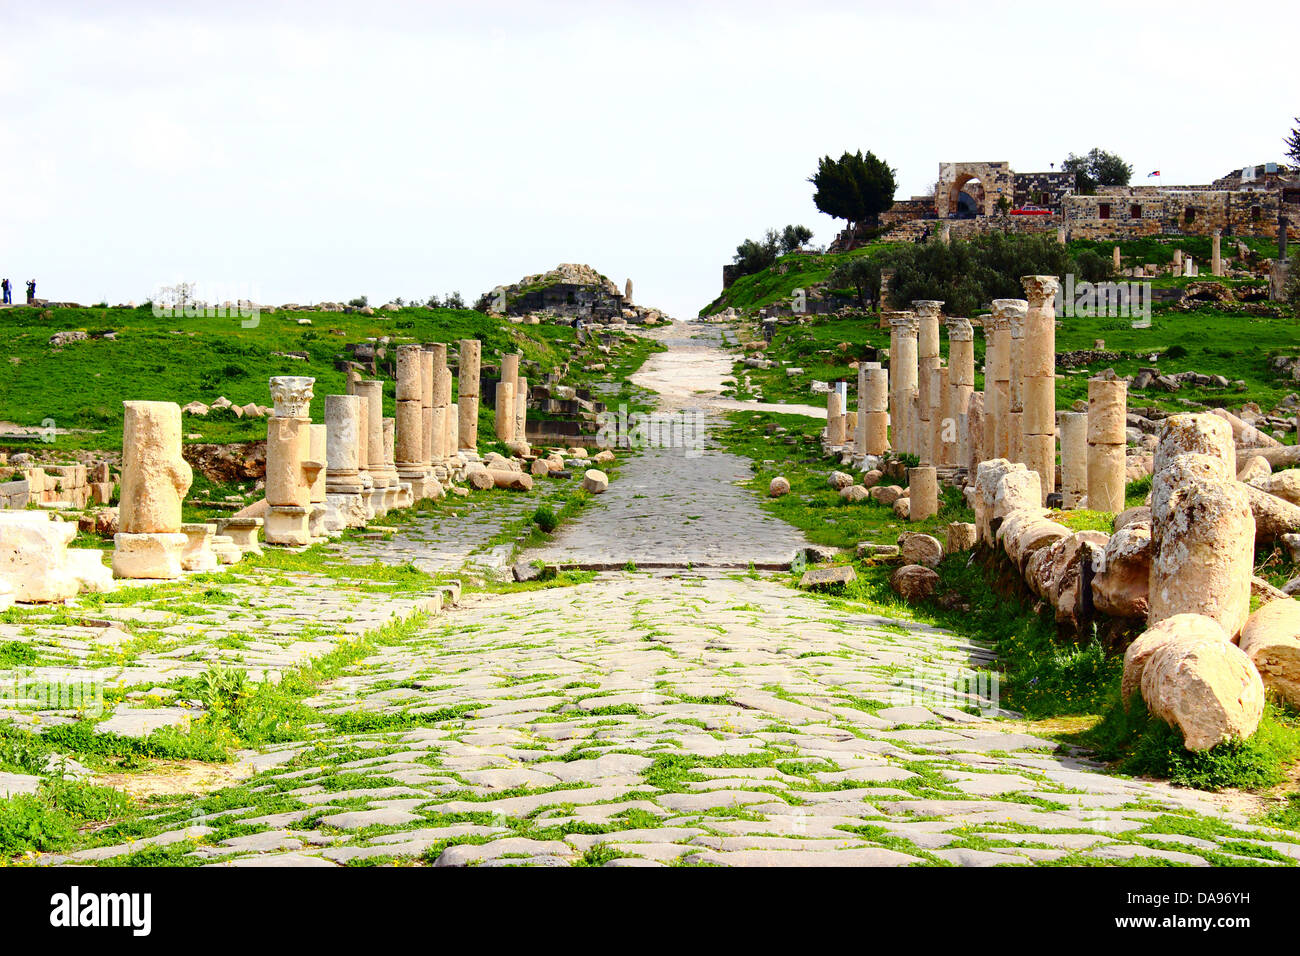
{"x":545,"y":518}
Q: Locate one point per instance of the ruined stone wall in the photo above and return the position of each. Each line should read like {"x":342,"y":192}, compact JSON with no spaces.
{"x":1195,"y":211}
{"x":1043,"y":189}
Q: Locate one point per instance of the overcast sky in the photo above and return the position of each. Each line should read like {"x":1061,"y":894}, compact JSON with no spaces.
{"x":305,"y":152}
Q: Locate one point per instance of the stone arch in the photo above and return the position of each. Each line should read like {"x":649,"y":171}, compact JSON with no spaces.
{"x":966,"y":190}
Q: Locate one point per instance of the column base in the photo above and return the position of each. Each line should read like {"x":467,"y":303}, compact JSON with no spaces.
{"x":287,"y":525}
{"x":148,"y":555}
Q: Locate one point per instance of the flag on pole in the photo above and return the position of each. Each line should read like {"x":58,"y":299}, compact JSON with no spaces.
{"x":1155,"y":173}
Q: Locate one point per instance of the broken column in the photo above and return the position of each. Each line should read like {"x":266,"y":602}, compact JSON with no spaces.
{"x":927,"y":361}
{"x":344,"y":486}
{"x":471,"y":352}
{"x":834,"y":417}
{"x":903,"y":379}
{"x":443,"y":447}
{"x":426,"y":424}
{"x":1038,"y":443}
{"x":1074,"y":459}
{"x":409,"y":419}
{"x":997,"y":377}
{"x":510,"y":368}
{"x":505,"y":411}
{"x":974,"y":432}
{"x":1216,"y":252}
{"x":872,"y":434}
{"x":399,"y":491}
{"x":371,"y":392}
{"x":961,"y":386}
{"x":1115,"y":259}
{"x":155,"y":477}
{"x":943,"y":435}
{"x":1107,"y":417}
{"x":1202,"y":529}
{"x":317,"y":451}
{"x":290,"y":469}
{"x":923,"y":490}
{"x":521,"y":409}
{"x":1016,"y":386}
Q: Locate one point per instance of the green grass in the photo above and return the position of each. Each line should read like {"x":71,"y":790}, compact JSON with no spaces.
{"x":82,"y":385}
{"x":1141,"y":744}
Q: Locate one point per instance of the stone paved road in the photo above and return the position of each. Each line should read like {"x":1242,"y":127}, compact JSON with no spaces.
{"x":643,"y":721}
{"x":679,"y":506}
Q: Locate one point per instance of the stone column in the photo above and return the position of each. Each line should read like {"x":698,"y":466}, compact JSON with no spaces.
{"x":521,"y":409}
{"x":344,"y":487}
{"x":873,"y":409}
{"x":471,"y":351}
{"x":903,"y":379}
{"x":399,"y":491}
{"x":1202,"y":529}
{"x":975,"y":432}
{"x":155,"y":478}
{"x":426,"y":410}
{"x":923,"y":490}
{"x":1074,"y":459}
{"x":1216,"y":253}
{"x":961,"y":385}
{"x":409,"y":419}
{"x":1115,"y":259}
{"x":443,"y":448}
{"x":1016,"y":388}
{"x":927,"y":361}
{"x":290,"y":470}
{"x":997,"y":405}
{"x":834,"y":417}
{"x":1039,"y":389}
{"x":505,"y":411}
{"x":317,"y":453}
{"x":372,"y":395}
{"x":943,"y":435}
{"x":1107,"y":417}
{"x":510,"y":368}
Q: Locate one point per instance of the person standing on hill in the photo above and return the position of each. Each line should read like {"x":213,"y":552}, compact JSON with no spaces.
{"x":31,"y":291}
{"x":7,"y":289}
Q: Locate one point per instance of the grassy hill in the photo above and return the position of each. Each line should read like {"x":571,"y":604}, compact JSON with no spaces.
{"x":81,"y":385}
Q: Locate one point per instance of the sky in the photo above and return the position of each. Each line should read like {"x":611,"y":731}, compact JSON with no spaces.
{"x":304,"y":152}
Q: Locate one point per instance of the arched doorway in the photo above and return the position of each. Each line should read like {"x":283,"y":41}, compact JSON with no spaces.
{"x":966,"y":198}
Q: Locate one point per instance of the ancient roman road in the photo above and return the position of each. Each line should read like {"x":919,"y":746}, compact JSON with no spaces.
{"x":679,"y":504}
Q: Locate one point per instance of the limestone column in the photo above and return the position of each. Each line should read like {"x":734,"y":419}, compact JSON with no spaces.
{"x":942,"y":432}
{"x":155,"y":478}
{"x":505,"y":411}
{"x":471,"y":351}
{"x":317,"y":454}
{"x":961,"y":385}
{"x":1074,"y":459}
{"x":923,"y":490}
{"x":1107,"y":417}
{"x":873,"y":409}
{"x":510,"y":368}
{"x":1115,"y":259}
{"x":426,"y":409}
{"x":834,"y":417}
{"x":409,"y":419}
{"x":1202,"y":528}
{"x":372,"y":394}
{"x":927,"y":361}
{"x":521,"y":409}
{"x":1039,"y":389}
{"x":290,"y":470}
{"x":1016,"y":388}
{"x":997,"y":406}
{"x":345,"y":507}
{"x":1216,"y":256}
{"x":442,"y":448}
{"x":903,"y":379}
{"x":975,"y":432}
{"x":399,"y":491}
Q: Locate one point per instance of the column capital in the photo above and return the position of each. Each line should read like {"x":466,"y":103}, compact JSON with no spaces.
{"x":959,"y":329}
{"x":1004,"y":309}
{"x":927,"y":308}
{"x":1038,"y":289}
{"x":292,"y":395}
{"x":905,"y":322}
